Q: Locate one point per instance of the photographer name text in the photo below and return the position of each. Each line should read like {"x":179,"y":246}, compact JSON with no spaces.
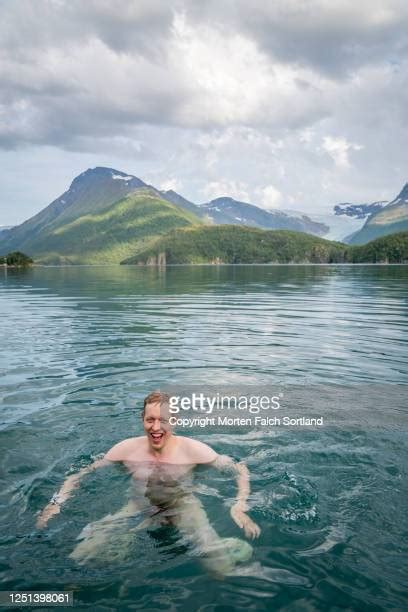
{"x":249,"y":421}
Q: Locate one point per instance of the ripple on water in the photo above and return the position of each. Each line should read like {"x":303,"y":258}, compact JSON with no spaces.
{"x":287,"y":498}
{"x":81,"y":348}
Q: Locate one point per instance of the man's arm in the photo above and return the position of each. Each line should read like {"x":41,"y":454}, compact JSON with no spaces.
{"x":239,"y":509}
{"x":116,"y":453}
{"x":70,"y":483}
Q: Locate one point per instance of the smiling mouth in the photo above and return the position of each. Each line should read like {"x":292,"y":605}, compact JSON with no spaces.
{"x":157,"y":437}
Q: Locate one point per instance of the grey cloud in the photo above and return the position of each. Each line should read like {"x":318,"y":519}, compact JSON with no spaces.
{"x":334,"y":38}
{"x":143,"y":25}
{"x":75,"y":69}
{"x":109,"y":81}
{"x":123,"y":25}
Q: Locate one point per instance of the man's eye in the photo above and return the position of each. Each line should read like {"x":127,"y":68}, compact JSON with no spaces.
{"x":164,"y":421}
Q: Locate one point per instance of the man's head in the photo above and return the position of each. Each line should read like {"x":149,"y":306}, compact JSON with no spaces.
{"x":156,"y":419}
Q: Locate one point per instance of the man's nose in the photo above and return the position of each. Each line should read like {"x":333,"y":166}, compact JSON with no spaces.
{"x":156,"y":425}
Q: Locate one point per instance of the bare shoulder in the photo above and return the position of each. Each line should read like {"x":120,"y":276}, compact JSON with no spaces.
{"x":121,"y":450}
{"x":197,"y":451}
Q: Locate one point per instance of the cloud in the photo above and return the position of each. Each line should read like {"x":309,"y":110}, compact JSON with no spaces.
{"x":270,"y":197}
{"x":338,"y":149}
{"x":92,"y":68}
{"x":225,"y":96}
{"x":84,"y":85}
{"x":332,"y":38}
{"x":233,"y":189}
{"x":173,"y":184}
{"x":74,"y":72}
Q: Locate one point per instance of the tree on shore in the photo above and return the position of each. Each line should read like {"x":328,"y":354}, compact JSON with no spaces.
{"x":16,"y":258}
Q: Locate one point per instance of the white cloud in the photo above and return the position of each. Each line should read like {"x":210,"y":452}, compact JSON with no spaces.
{"x":233,"y":189}
{"x":173,"y":183}
{"x":203,"y":75}
{"x":338,"y":149}
{"x":270,"y":103}
{"x":255,"y":88}
{"x":270,"y":197}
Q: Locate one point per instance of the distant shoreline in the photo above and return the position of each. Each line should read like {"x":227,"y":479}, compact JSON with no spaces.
{"x":11,"y":266}
{"x":206,"y":265}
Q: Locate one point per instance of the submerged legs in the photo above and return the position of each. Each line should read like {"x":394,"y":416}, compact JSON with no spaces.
{"x":97,"y":541}
{"x":109,"y":539}
{"x":219,"y":555}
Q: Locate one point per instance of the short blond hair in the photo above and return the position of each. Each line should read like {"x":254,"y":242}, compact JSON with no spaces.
{"x":155,"y":397}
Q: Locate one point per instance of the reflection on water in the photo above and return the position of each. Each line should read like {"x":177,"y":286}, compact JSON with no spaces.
{"x":82,"y":346}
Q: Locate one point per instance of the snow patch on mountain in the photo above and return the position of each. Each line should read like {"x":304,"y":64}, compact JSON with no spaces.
{"x":118,"y":177}
{"x":360,"y":211}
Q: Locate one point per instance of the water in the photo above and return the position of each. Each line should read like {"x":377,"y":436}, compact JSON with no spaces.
{"x":81,"y":347}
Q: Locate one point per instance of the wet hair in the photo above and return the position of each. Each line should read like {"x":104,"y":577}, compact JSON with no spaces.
{"x":156,"y":397}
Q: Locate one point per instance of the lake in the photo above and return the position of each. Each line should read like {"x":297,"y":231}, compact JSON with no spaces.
{"x":82,"y":347}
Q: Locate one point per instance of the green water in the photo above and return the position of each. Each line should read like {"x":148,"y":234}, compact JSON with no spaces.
{"x":81,"y":347}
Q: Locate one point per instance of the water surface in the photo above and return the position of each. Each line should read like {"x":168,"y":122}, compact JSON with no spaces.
{"x":82,"y":346}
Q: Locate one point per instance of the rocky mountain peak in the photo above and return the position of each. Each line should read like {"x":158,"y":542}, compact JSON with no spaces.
{"x":403,"y":195}
{"x":101,"y":174}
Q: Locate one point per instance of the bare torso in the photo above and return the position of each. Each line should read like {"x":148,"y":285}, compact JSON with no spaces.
{"x":161,"y":479}
{"x":160,"y":484}
{"x":179,"y":450}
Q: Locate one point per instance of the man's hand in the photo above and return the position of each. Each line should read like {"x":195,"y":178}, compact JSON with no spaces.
{"x":46,"y":514}
{"x":239,"y":509}
{"x":243,"y":521}
{"x":65,"y":492}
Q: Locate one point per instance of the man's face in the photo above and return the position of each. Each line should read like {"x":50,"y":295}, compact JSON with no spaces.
{"x":156,"y":425}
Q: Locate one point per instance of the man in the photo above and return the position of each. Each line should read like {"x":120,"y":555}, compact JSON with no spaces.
{"x":161,"y":464}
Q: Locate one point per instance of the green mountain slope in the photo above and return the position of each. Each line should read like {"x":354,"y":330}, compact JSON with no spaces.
{"x":389,"y":220}
{"x":388,"y":249}
{"x":238,"y":244}
{"x":103,"y":217}
{"x":110,"y":235}
{"x":93,"y":190}
{"x":233,"y":244}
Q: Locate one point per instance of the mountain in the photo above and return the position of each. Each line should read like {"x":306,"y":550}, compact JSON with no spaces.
{"x":231,"y":244}
{"x":91,"y":191}
{"x":229,"y":211}
{"x":178,"y":200}
{"x":103,"y":217}
{"x":105,"y":212}
{"x":390,"y":219}
{"x":360,"y":211}
{"x":345,"y":219}
{"x":107,"y":216}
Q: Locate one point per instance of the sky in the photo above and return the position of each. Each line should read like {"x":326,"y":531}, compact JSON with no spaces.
{"x":291,"y":104}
